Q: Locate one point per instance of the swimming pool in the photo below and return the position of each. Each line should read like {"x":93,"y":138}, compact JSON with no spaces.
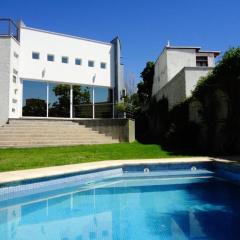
{"x":163,"y":201}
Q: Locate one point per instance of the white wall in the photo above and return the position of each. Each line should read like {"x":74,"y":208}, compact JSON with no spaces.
{"x":174,"y":90}
{"x":172,"y":61}
{"x":72,"y":47}
{"x":160,"y":72}
{"x":5,"y":45}
{"x":177,"y":59}
{"x":182,"y":85}
{"x":192,"y":76}
{"x":15,"y":90}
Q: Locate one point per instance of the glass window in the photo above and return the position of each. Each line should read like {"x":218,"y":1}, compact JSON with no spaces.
{"x":59,"y":100}
{"x":91,"y":63}
{"x":78,"y":61}
{"x":50,"y":58}
{"x":34,"y":99}
{"x":103,"y":102}
{"x":202,"y":61}
{"x":103,"y":65}
{"x":35,"y":55}
{"x":82,"y":102}
{"x":64,"y":59}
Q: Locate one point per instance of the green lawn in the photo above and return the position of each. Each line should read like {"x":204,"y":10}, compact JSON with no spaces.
{"x":14,"y":159}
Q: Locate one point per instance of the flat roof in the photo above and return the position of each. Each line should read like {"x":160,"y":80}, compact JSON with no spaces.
{"x":182,"y":47}
{"x":65,"y":35}
{"x":198,"y":49}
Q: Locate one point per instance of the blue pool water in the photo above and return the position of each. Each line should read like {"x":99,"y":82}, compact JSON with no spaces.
{"x":129,"y":206}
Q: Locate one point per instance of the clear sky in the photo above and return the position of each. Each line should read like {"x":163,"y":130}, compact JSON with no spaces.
{"x":144,"y":27}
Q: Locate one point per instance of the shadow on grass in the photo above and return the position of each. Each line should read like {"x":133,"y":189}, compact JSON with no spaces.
{"x":172,"y":149}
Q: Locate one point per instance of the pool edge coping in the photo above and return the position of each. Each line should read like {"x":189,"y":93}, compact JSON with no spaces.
{"x":28,"y":174}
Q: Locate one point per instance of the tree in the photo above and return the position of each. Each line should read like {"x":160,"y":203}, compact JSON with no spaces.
{"x":145,"y":86}
{"x":130,"y":83}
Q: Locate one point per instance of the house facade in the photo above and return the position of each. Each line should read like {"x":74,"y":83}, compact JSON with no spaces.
{"x":178,"y":70}
{"x":52,"y":75}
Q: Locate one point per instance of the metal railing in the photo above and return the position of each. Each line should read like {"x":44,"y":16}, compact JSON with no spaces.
{"x":9,"y":28}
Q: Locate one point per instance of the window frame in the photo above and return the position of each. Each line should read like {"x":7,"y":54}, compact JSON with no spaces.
{"x":202,"y":61}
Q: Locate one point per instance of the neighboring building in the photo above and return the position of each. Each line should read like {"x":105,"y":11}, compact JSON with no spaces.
{"x":177,"y":71}
{"x":47,"y":74}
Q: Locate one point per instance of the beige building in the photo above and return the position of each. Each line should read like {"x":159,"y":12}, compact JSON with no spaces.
{"x":177,"y":71}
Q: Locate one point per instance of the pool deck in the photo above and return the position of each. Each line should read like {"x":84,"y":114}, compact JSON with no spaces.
{"x":73,"y":168}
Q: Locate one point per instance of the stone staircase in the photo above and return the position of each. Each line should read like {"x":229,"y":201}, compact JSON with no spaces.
{"x":40,"y":133}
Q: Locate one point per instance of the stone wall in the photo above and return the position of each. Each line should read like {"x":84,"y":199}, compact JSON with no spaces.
{"x":122,"y":129}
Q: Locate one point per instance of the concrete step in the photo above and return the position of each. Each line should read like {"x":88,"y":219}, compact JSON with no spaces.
{"x":30,"y":133}
{"x":41,"y":125}
{"x":42,"y":130}
{"x":13,"y":137}
{"x":57,"y":143}
{"x":42,"y":134}
{"x":51,"y":140}
{"x":45,"y":121}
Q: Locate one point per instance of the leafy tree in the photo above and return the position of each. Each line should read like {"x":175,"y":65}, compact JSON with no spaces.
{"x":145,"y":86}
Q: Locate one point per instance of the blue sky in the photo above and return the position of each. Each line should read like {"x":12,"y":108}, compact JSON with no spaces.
{"x":144,"y":27}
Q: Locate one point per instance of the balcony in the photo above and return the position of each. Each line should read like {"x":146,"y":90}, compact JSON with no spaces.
{"x":8,"y":28}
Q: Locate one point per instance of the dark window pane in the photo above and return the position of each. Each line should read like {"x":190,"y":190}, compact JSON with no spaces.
{"x":103,"y":110}
{"x":64,"y":59}
{"x":103,"y":95}
{"x":202,"y":61}
{"x":50,"y":58}
{"x":59,"y":100}
{"x":82,"y":102}
{"x":103,"y":102}
{"x":34,"y":99}
{"x":78,"y":61}
{"x":35,"y":55}
{"x":103,"y":65}
{"x":91,"y":63}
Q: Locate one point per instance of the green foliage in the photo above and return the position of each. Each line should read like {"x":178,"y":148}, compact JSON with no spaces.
{"x":145,"y":86}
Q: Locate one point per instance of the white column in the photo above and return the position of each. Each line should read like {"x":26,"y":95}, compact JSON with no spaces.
{"x":113,"y":114}
{"x":47,"y":97}
{"x":93,"y":94}
{"x":71,"y":101}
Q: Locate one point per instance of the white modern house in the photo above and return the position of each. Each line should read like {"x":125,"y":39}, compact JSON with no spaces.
{"x":45,"y":74}
{"x":177,"y":71}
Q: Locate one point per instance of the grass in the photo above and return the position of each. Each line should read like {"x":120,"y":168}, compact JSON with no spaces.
{"x":26,"y":158}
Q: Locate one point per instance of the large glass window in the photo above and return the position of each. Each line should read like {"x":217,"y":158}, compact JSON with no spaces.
{"x":103,"y":102}
{"x":38,"y":95}
{"x":34,"y":99}
{"x":59,"y":100}
{"x":82,"y":101}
